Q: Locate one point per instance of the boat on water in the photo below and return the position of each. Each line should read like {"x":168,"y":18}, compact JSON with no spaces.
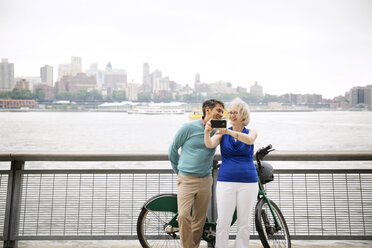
{"x":198,"y":113}
{"x":156,"y":111}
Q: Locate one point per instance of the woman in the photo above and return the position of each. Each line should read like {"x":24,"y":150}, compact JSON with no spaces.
{"x":237,"y":177}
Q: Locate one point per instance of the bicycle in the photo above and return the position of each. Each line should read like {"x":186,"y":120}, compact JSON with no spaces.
{"x":157,"y":224}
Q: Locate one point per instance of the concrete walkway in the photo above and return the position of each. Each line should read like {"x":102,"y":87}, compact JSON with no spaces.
{"x":135,"y":244}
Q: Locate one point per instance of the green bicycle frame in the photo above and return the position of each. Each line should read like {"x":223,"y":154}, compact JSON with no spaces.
{"x":262,"y":192}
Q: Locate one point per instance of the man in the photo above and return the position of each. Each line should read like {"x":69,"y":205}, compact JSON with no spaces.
{"x":194,"y":170}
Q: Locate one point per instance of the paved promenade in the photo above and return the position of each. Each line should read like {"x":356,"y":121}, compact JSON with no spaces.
{"x":135,"y":244}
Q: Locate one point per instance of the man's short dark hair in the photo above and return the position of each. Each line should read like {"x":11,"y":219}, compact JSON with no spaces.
{"x":211,"y":103}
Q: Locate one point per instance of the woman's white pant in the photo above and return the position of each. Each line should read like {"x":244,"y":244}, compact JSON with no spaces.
{"x":229,"y":195}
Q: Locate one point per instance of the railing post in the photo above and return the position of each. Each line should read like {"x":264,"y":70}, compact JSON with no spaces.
{"x":212,"y":208}
{"x":12,"y":203}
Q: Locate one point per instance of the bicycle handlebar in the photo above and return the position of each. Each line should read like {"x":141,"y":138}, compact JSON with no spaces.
{"x":262,"y":152}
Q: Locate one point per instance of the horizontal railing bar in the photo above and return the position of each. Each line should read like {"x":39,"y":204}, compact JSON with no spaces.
{"x":101,"y":171}
{"x":93,"y":237}
{"x":170,"y":171}
{"x":104,"y":156}
{"x":134,"y":237}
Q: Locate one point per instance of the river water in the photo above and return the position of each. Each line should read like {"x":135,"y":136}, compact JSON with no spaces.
{"x":120,"y":132}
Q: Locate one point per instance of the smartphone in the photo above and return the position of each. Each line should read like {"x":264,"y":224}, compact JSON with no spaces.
{"x":218,"y":123}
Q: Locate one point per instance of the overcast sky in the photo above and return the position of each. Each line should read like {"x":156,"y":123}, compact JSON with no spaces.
{"x":287,"y":46}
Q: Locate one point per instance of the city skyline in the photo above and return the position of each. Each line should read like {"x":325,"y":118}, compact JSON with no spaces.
{"x":315,"y":47}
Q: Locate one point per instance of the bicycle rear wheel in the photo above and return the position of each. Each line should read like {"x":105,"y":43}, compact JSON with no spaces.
{"x":265,"y":226}
{"x":151,"y":229}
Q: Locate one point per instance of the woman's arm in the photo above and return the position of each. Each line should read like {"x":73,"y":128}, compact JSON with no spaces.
{"x":215,"y":140}
{"x":243,"y":137}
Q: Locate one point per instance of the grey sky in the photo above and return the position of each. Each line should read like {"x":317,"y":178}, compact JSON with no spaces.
{"x":296,"y":46}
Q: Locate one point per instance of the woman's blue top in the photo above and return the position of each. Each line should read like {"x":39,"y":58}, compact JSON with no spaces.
{"x":237,"y":161}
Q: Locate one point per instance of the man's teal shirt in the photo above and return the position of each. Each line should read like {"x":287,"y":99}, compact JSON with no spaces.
{"x":195,"y":158}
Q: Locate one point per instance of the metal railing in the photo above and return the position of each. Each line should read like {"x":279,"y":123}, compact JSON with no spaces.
{"x":82,"y":204}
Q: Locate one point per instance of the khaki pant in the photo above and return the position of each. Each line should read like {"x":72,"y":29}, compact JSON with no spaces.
{"x":193,"y":192}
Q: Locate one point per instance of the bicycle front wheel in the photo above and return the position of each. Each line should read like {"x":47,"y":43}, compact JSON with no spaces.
{"x":151,"y":229}
{"x":265,"y":225}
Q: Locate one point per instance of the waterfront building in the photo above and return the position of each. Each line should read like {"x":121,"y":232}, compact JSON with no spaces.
{"x":361,"y":96}
{"x":369,"y":96}
{"x":32,"y":81}
{"x":240,"y":89}
{"x":22,"y":84}
{"x":131,"y":92}
{"x":291,"y":98}
{"x":46,"y":75}
{"x":99,"y":74}
{"x":13,"y":103}
{"x":76,"y":83}
{"x":6,"y":75}
{"x":114,"y":78}
{"x":256,"y":90}
{"x":44,"y":91}
{"x":223,"y":87}
{"x":197,"y":78}
{"x":308,"y":99}
{"x":146,"y":79}
{"x":71,"y":69}
{"x":185,"y":90}
{"x":174,"y":86}
{"x":161,"y":85}
{"x":339,"y":102}
{"x":202,"y":88}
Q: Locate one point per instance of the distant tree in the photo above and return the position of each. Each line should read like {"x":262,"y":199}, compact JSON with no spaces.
{"x":80,"y":95}
{"x":39,"y":94}
{"x":166,"y":98}
{"x":64,"y":96}
{"x":271,"y":98}
{"x":108,"y":98}
{"x":5,"y":94}
{"x":94,"y":95}
{"x":223,"y":96}
{"x":118,"y":95}
{"x":192,"y":98}
{"x":144,"y":97}
{"x":22,"y":94}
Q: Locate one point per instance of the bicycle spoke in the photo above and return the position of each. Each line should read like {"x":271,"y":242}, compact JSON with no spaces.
{"x":153,"y":224}
{"x":269,"y":235}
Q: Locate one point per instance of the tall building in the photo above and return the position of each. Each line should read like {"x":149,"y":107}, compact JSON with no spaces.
{"x":114,"y":78}
{"x":6,"y":75}
{"x":157,"y":81}
{"x":32,"y":81}
{"x":46,"y":74}
{"x":146,"y":79}
{"x":94,"y":71}
{"x":256,"y":90}
{"x":361,"y":96}
{"x":71,"y":69}
{"x":131,"y":92}
{"x":197,"y":78}
{"x":222,"y":87}
{"x":356,"y":96}
{"x":76,"y":65}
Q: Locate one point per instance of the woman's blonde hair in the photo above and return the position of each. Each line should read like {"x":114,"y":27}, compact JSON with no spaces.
{"x":243,"y":109}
